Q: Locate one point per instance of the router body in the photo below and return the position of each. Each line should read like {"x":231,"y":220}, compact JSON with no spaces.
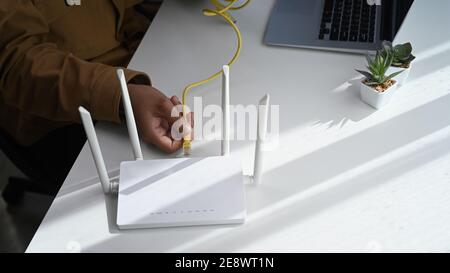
{"x":179,"y":191}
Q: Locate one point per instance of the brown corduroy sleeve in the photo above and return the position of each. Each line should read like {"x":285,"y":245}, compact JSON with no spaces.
{"x":38,"y":78}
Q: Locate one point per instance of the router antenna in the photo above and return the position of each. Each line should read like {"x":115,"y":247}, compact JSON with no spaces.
{"x":226,"y":110}
{"x":129,"y":116}
{"x":95,"y":150}
{"x":263,"y":116}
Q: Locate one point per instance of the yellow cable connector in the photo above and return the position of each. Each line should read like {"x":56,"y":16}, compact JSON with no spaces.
{"x":222,"y":11}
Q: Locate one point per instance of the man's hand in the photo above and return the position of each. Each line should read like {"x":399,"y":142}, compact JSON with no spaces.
{"x":152,"y":111}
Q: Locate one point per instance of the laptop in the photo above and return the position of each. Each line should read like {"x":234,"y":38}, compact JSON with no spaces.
{"x":356,"y":26}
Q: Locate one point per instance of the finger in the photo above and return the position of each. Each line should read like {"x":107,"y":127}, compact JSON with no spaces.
{"x":190,"y":121}
{"x":166,"y":108}
{"x":181,"y":130}
{"x":163,"y":141}
{"x":190,"y":116}
{"x":175,"y":100}
{"x":165,"y":125}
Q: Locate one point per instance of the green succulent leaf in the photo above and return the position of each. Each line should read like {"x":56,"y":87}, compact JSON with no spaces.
{"x":377,"y":67}
{"x":402,"y":54}
{"x":365,"y":74}
{"x":410,"y":58}
{"x":393,"y":75}
{"x":403,"y":51}
{"x":387,"y":45}
{"x":369,"y":83}
{"x":369,"y":59}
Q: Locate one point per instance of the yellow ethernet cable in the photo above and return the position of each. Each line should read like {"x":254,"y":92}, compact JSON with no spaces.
{"x":222,"y":11}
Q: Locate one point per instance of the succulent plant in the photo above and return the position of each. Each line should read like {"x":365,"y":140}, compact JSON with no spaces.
{"x":377,"y":67}
{"x":402,"y":53}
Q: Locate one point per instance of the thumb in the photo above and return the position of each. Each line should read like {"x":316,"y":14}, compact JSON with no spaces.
{"x":169,"y":112}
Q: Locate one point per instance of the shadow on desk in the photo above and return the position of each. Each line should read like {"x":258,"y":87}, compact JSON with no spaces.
{"x":319,"y":168}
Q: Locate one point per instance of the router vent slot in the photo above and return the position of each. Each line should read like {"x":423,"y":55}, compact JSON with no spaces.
{"x":190,"y":211}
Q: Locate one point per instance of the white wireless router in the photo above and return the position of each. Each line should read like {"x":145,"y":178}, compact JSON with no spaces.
{"x":178,"y":191}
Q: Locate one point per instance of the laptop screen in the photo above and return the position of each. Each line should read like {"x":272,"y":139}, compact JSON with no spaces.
{"x":393,"y":14}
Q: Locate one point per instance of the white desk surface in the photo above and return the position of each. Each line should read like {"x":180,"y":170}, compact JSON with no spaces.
{"x":344,"y":177}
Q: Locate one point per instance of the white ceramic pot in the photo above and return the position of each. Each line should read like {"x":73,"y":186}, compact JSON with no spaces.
{"x":374,"y":98}
{"x":402,"y":77}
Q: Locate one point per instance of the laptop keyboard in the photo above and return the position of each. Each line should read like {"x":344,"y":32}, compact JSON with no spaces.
{"x":348,"y":20}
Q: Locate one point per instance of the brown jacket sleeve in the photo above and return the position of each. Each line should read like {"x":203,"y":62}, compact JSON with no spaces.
{"x":38,"y":78}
